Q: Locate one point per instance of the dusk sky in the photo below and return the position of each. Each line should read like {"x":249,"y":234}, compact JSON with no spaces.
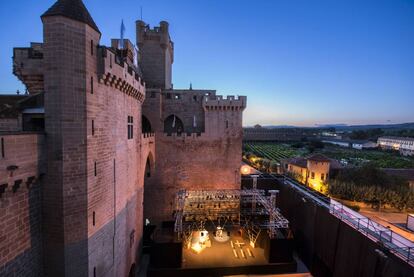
{"x":299,"y":62}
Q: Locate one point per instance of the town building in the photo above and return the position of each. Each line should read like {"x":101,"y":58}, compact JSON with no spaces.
{"x":348,"y":143}
{"x":405,"y":145}
{"x":313,"y":171}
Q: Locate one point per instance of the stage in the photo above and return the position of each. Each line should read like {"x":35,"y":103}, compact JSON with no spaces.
{"x":221,"y":254}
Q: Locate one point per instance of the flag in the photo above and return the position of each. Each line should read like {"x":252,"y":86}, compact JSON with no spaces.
{"x":173,"y":124}
{"x":121,"y":41}
{"x":136,"y":56}
{"x":194,"y":122}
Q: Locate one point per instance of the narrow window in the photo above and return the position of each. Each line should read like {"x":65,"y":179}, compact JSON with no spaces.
{"x":114,"y":171}
{"x":313,"y":175}
{"x":93,"y":127}
{"x":110,"y":60}
{"x":130,"y":127}
{"x":92,"y":47}
{"x":194,"y":98}
{"x":94,"y":272}
{"x":94,"y":168}
{"x":91,"y":85}
{"x":227,"y":124}
{"x":322,"y":176}
{"x":2,"y":147}
{"x":93,"y":218}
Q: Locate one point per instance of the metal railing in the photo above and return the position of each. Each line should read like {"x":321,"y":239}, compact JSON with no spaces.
{"x":389,"y":239}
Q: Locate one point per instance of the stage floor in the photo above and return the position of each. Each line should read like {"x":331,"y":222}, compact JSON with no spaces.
{"x":221,"y":254}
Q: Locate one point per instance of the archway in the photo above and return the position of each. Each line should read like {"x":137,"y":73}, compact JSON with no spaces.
{"x":146,"y":125}
{"x":173,"y":124}
{"x":132,"y":271}
{"x":148,"y":168}
{"x":148,"y":201}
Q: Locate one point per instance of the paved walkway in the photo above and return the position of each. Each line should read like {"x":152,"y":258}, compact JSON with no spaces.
{"x":389,"y":219}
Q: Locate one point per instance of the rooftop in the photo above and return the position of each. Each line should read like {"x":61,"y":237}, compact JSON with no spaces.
{"x":73,"y":9}
{"x":397,"y":138}
{"x":318,"y":158}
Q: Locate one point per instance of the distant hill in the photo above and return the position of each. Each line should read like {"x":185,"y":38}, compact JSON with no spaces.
{"x":375,"y":126}
{"x":345,"y":127}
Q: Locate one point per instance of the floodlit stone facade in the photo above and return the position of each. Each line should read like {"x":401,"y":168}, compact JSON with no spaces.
{"x":404,"y":145}
{"x":313,"y":171}
{"x":117,"y":137}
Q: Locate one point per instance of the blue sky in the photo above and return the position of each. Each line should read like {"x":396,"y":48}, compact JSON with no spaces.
{"x":299,"y":62}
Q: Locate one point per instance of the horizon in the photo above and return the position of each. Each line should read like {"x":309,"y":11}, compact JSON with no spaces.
{"x":299,"y":54}
{"x":337,"y":125}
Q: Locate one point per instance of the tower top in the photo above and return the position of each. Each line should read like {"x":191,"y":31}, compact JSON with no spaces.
{"x":73,"y":9}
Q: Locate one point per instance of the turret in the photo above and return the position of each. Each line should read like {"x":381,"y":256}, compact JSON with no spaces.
{"x":69,"y":61}
{"x":156,"y":54}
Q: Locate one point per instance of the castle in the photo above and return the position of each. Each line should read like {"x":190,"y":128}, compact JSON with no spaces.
{"x":101,"y":145}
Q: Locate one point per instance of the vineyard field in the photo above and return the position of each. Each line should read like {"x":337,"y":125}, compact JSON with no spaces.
{"x":273,"y":151}
{"x":351,"y":157}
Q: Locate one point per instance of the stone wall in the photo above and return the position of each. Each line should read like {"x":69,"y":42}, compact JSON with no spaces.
{"x":193,"y":163}
{"x":209,"y":158}
{"x":186,"y":104}
{"x":115,"y":181}
{"x":20,"y":204}
{"x":11,"y":124}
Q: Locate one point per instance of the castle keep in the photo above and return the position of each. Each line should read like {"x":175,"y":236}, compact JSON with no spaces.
{"x":100,"y":144}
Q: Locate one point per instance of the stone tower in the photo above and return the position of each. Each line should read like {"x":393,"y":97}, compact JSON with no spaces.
{"x":70,"y":40}
{"x":156,"y":54}
{"x":93,"y":189}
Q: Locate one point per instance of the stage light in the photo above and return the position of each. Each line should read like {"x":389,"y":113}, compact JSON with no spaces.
{"x":245,"y":170}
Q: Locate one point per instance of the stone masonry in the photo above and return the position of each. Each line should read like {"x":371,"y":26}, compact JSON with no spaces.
{"x":116,"y":136}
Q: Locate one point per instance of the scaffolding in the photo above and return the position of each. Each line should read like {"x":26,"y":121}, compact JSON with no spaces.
{"x":251,"y":210}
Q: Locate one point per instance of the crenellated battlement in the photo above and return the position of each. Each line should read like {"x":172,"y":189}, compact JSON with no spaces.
{"x":184,"y":136}
{"x":28,"y":66}
{"x":218,"y":102}
{"x":112,"y":71}
{"x":156,"y":54}
{"x":158,"y":33}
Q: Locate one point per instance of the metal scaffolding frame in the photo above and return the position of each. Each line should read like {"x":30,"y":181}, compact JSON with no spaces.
{"x":251,"y":210}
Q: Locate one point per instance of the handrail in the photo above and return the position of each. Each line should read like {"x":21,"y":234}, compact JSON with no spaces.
{"x":394,"y":242}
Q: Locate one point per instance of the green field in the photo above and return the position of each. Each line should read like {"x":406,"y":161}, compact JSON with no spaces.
{"x":351,"y":157}
{"x":379,"y":158}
